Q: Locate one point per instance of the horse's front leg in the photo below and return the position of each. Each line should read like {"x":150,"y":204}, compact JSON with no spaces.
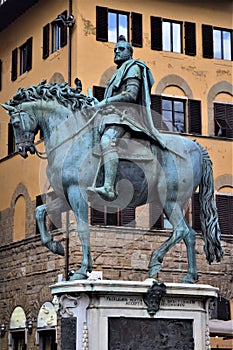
{"x":47,"y":240}
{"x":79,"y":206}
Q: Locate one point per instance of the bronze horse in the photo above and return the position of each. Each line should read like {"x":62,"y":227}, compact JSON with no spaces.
{"x":168,"y":178}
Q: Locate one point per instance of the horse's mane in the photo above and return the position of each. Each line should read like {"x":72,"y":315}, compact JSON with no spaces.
{"x":63,"y":93}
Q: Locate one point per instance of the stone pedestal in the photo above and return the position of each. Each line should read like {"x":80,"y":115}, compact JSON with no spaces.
{"x":112,"y":315}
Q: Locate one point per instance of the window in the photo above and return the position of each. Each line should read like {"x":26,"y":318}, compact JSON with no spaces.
{"x":171,"y":36}
{"x":25,"y":53}
{"x":103,"y":215}
{"x":117,"y":25}
{"x":58,"y":35}
{"x":216,"y":42}
{"x":177,"y":115}
{"x":110,"y":24}
{"x":173,"y":114}
{"x":223,"y":118}
{"x":167,"y":35}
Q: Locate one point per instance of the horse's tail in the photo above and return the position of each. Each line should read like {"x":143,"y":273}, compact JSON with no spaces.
{"x":208,"y":213}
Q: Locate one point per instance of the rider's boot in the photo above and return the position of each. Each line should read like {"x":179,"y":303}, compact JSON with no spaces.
{"x":110,"y":170}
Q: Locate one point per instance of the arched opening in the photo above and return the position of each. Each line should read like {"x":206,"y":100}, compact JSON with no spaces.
{"x":19,"y":219}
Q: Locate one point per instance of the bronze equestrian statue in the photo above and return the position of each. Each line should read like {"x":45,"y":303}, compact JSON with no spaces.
{"x":163,"y":169}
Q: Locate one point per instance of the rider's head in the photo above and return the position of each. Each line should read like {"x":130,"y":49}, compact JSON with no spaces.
{"x":123,"y":51}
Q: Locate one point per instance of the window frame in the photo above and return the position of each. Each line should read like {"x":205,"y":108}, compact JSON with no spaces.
{"x":173,"y":100}
{"x":172,"y":39}
{"x":118,"y":13}
{"x":222,"y":30}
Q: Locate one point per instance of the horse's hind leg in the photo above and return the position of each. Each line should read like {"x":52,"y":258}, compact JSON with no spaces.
{"x":190,"y":241}
{"x":180,"y":231}
{"x":41,"y":212}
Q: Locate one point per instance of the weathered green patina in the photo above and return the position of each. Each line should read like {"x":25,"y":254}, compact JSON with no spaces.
{"x":146,"y":166}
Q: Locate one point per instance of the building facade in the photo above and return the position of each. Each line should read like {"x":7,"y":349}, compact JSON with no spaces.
{"x":189,"y":49}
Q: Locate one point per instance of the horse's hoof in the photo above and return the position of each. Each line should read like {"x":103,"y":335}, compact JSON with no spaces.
{"x":78,"y":275}
{"x":153,"y":270}
{"x":55,"y":247}
{"x":155,"y":264}
{"x":190,"y":279}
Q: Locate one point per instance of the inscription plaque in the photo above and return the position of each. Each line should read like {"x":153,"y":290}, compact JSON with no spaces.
{"x":125,"y":333}
{"x":68,"y":333}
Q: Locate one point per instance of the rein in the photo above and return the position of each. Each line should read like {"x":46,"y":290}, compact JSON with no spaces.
{"x":40,"y":154}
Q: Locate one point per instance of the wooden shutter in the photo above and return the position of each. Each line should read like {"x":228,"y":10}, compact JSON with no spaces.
{"x":194,"y":117}
{"x":98,"y":92}
{"x":196,"y":213}
{"x":207,"y":41}
{"x":98,"y":215}
{"x":137,"y":29}
{"x":225,"y":213}
{"x":190,"y":38}
{"x":11,"y":139}
{"x":0,"y":75}
{"x":156,"y":106}
{"x":156,"y":33}
{"x":127,"y":217}
{"x":29,"y":54}
{"x":46,"y":31}
{"x":14,"y":64}
{"x":223,"y":115}
{"x":101,"y":23}
{"x":155,"y":216}
{"x":63,"y":31}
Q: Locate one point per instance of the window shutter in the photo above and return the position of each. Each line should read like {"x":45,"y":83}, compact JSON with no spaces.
{"x":64,"y":31}
{"x":196,"y":213}
{"x":137,"y":29}
{"x":101,"y":23}
{"x":229,"y":116}
{"x":156,"y":106}
{"x":155,"y":216}
{"x":98,"y":92}
{"x":46,"y":30}
{"x":11,"y":139}
{"x":223,"y":115}
{"x":225,"y":213}
{"x":29,"y":54}
{"x":14,"y":64}
{"x":127,"y":217}
{"x":0,"y":75}
{"x":223,"y":307}
{"x":156,"y":33}
{"x":98,"y":215}
{"x":194,"y":117}
{"x":207,"y":41}
{"x":190,"y":38}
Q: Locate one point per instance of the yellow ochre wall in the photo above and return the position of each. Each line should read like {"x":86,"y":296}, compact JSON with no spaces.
{"x":92,"y":62}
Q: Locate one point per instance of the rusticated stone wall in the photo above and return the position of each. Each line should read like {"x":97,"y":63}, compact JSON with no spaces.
{"x":28,"y":269}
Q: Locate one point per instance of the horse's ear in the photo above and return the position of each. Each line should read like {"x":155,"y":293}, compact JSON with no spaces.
{"x":8,"y":108}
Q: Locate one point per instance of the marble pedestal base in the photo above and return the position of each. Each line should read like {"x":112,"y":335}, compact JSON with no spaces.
{"x":112,"y":315}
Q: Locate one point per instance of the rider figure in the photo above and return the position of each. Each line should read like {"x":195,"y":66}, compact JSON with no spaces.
{"x":126,"y":106}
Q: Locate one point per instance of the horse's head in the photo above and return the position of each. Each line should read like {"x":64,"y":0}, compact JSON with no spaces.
{"x":25,"y":127}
